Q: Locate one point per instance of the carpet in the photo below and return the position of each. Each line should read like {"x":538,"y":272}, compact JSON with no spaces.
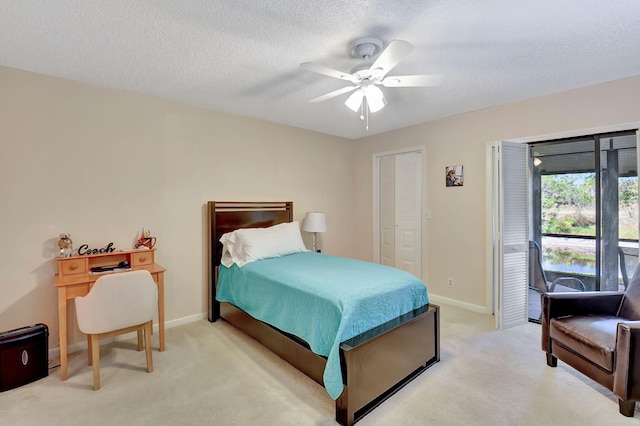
{"x":213,"y":374}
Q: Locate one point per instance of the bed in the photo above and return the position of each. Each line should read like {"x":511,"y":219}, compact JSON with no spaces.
{"x":374,"y":364}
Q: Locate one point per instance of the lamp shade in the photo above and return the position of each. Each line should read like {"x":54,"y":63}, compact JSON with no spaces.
{"x":354,"y":101}
{"x":375,"y":98}
{"x":314,"y":222}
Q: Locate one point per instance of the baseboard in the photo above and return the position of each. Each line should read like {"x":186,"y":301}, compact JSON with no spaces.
{"x":80,"y":346}
{"x":182,"y":321}
{"x":458,"y":304}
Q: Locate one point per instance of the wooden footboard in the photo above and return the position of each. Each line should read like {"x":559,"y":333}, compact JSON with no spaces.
{"x":375,"y":364}
{"x":378,"y":363}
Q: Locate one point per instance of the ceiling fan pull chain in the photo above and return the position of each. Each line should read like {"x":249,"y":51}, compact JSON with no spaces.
{"x":365,"y":108}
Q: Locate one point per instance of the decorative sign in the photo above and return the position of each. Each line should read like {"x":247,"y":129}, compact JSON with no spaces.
{"x":84,"y":249}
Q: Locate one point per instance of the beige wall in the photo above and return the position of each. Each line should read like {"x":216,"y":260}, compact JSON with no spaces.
{"x":456,"y":230}
{"x":101,"y":164}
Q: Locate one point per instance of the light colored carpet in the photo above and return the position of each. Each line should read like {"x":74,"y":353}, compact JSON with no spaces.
{"x":212,"y":374}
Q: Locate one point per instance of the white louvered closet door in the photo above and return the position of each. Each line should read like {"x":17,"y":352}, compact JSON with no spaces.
{"x":510,"y":233}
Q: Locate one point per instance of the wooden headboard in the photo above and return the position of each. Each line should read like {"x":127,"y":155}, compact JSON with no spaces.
{"x":227,"y":216}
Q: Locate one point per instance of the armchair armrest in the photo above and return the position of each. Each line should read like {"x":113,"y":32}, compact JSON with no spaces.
{"x":626,"y":379}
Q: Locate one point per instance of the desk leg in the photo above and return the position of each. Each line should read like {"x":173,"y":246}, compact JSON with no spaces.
{"x":161,"y":309}
{"x":62,"y":332}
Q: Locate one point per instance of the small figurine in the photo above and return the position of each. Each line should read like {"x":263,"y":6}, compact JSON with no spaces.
{"x":66,"y":245}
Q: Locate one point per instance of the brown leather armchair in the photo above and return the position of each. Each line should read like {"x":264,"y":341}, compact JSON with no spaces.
{"x":598,"y":334}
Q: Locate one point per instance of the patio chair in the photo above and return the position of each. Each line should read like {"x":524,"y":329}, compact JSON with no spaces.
{"x":538,"y":279}
{"x":628,"y":262}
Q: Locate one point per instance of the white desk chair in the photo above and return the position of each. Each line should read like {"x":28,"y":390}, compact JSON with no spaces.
{"x":118,"y":303}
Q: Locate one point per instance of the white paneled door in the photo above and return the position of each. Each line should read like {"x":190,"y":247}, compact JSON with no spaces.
{"x":400,"y":211}
{"x":510,"y":237}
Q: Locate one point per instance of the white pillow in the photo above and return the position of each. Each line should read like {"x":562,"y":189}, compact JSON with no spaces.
{"x":228,"y":249}
{"x":247,"y":245}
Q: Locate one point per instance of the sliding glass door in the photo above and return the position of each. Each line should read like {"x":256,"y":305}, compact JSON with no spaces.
{"x":584,"y":206}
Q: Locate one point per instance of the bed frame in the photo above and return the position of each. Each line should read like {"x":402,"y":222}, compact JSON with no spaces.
{"x":375,"y":364}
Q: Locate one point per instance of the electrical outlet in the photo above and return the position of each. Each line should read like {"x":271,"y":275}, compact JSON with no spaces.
{"x":450,"y":282}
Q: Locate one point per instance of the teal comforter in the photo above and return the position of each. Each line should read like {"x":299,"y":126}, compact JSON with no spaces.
{"x":322,"y":299}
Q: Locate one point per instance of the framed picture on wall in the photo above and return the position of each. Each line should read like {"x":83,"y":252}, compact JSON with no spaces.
{"x":454,"y":176}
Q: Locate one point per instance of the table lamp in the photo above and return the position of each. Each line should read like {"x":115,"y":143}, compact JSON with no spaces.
{"x":314,"y":222}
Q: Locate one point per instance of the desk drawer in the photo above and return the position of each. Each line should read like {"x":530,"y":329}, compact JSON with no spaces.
{"x":144,"y":257}
{"x":73,"y":266}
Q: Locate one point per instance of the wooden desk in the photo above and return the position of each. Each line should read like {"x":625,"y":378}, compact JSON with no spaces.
{"x":74,"y":279}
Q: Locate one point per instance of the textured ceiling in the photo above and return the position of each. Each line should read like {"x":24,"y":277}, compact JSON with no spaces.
{"x":243,"y":56}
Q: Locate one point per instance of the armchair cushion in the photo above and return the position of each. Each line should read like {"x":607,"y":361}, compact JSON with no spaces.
{"x":592,"y":336}
{"x":630,"y":307}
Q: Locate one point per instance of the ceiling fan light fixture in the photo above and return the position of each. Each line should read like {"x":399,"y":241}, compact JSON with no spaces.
{"x":354,"y":101}
{"x":376,"y":105}
{"x":375,"y":98}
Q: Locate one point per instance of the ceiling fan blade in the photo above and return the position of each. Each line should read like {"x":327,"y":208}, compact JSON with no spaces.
{"x":412,"y":80}
{"x":333,"y":94}
{"x":396,"y":51}
{"x":321,"y":69}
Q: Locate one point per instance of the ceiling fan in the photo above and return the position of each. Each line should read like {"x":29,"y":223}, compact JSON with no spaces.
{"x":367,"y":76}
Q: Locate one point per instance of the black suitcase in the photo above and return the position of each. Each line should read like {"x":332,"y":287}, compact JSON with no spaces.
{"x":24,"y":356}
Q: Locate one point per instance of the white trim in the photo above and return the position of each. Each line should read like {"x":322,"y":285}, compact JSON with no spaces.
{"x":54,"y":353}
{"x":583,"y":132}
{"x":458,"y":304}
{"x":489,"y":272}
{"x":421,"y":149}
